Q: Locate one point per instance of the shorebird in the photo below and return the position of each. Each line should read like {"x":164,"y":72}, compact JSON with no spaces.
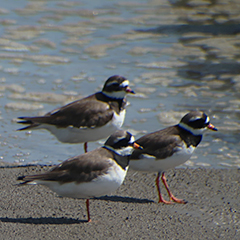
{"x":92,"y":174}
{"x":89,"y":119}
{"x":170,"y":147}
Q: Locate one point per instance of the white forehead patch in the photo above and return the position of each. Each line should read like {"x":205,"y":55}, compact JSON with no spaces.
{"x":125,"y":83}
{"x":207,"y":120}
{"x":132,"y":139}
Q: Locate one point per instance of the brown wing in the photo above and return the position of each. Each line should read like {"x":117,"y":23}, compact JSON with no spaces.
{"x":160,"y":144}
{"x":87,"y":112}
{"x":82,"y":168}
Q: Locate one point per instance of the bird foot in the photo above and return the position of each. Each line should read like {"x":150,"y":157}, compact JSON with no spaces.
{"x":164,"y":201}
{"x":177,"y":200}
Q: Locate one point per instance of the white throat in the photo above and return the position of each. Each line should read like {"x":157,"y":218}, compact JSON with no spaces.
{"x":127,"y":151}
{"x":116,"y":95}
{"x":195,"y":132}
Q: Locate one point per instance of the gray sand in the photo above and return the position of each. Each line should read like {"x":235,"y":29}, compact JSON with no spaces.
{"x":212,"y":211}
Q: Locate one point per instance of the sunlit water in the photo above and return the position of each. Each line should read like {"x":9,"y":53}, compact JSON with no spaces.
{"x":178,"y":57}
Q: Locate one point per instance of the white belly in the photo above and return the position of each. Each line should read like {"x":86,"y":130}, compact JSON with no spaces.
{"x":150,"y":164}
{"x":80,"y":135}
{"x":100,"y":186}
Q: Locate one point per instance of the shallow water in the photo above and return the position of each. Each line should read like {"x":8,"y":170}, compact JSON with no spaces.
{"x":178,"y":56}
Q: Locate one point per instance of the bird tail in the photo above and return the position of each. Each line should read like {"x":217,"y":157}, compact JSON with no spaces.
{"x":27,"y":179}
{"x":26,"y":120}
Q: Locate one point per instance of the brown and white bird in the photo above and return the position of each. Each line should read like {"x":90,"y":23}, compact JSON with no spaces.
{"x":89,"y":119}
{"x":92,"y":174}
{"x":170,"y":147}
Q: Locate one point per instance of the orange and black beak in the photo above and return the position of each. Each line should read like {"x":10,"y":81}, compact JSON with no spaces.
{"x":137,"y":146}
{"x":129,"y":90}
{"x":211,"y":127}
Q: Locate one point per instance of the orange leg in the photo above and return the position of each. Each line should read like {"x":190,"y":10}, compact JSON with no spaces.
{"x":169,"y":192}
{"x":85,"y":147}
{"x":88,"y":211}
{"x":159,"y":192}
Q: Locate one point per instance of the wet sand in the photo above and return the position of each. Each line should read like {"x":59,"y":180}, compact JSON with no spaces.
{"x":132,"y":212}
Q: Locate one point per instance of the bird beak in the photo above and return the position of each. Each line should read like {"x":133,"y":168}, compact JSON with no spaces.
{"x":211,"y":127}
{"x":137,"y":146}
{"x":129,"y":90}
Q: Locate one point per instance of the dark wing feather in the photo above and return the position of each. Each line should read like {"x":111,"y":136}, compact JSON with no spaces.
{"x":83,"y":114}
{"x":161,"y":144}
{"x":86,"y":112}
{"x":82,"y":168}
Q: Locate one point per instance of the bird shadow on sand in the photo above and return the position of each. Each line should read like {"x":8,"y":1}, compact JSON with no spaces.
{"x":64,"y":220}
{"x":124,"y":199}
{"x":43,"y":220}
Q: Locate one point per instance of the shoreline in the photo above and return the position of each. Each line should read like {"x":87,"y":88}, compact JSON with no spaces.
{"x":132,"y":212}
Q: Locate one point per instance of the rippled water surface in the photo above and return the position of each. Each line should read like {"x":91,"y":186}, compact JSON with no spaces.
{"x":178,"y":56}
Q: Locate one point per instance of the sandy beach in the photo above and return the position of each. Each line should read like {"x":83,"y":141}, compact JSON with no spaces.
{"x":132,"y":212}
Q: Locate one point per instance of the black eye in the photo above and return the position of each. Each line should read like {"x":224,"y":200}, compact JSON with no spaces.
{"x":124,"y":142}
{"x":206,"y":124}
{"x":113,"y":87}
{"x":113,"y":83}
{"x":199,"y":123}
